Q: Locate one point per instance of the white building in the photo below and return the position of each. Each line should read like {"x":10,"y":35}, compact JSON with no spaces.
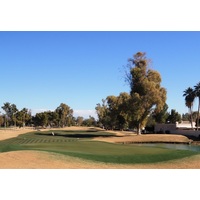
{"x":183,"y":128}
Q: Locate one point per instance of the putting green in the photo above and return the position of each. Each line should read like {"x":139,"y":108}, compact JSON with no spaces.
{"x":79,"y":144}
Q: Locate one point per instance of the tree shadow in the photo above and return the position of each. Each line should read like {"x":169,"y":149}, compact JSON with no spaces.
{"x":76,"y":135}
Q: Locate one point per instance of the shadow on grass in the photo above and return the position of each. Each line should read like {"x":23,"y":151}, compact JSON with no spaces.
{"x":77,"y":135}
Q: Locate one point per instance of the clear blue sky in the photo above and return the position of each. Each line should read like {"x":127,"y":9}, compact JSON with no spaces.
{"x":40,"y":70}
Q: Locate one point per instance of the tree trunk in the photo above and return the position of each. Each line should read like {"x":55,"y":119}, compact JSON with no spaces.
{"x":5,"y":122}
{"x":191,"y":118}
{"x":139,"y":129}
{"x":198,"y":115}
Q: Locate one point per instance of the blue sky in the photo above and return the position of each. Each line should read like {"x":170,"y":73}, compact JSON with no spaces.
{"x":40,"y":70}
{"x":83,"y":68}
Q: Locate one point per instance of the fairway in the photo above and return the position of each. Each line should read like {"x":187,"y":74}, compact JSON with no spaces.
{"x":80,"y":144}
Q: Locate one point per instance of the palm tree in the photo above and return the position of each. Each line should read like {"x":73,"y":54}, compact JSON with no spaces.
{"x":189,"y":95}
{"x":197,"y":94}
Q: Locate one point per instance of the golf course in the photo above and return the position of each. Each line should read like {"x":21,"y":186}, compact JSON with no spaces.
{"x":91,"y":148}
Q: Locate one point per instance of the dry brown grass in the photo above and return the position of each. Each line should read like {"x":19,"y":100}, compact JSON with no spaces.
{"x":44,"y":160}
{"x":13,"y":132}
{"x":146,"y":138}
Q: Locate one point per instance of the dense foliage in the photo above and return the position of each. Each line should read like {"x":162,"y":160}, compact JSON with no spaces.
{"x":133,"y":109}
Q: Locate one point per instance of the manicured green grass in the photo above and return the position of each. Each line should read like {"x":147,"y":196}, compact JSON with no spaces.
{"x":79,"y":144}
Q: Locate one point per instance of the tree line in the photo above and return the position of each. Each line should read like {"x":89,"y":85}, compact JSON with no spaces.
{"x":62,"y":116}
{"x":190,"y":95}
{"x":144,"y":106}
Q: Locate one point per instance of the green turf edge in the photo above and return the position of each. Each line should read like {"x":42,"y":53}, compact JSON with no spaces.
{"x":118,"y":159}
{"x":115,"y":159}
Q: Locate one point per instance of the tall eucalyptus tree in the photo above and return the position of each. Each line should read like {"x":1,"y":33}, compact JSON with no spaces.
{"x":65,"y":114}
{"x":147,"y":95}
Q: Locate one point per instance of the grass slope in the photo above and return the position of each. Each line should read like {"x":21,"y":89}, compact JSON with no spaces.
{"x":79,"y":144}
